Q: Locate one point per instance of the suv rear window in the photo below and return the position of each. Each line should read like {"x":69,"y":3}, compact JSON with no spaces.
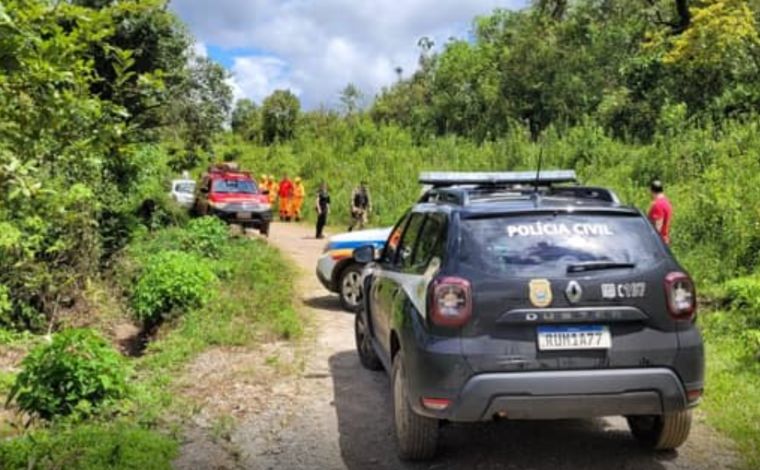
{"x":546,"y":245}
{"x":233,"y":186}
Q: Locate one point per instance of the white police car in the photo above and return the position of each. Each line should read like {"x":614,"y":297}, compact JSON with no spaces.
{"x":339,"y":272}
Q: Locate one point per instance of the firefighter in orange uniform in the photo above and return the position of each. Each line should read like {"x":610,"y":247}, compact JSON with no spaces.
{"x":286,"y":198}
{"x":299,"y":193}
{"x":263,"y":186}
{"x":272,"y":188}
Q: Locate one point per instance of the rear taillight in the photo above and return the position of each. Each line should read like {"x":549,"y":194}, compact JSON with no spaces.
{"x":681,"y":296}
{"x":436,"y":404}
{"x":450,"y":301}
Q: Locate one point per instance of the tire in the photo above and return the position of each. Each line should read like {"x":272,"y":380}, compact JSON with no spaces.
{"x":666,"y":432}
{"x":350,"y":289}
{"x":416,"y":436}
{"x":367,"y":355}
{"x":264,"y":229}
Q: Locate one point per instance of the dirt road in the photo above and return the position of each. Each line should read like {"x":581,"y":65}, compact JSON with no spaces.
{"x":337,"y":415}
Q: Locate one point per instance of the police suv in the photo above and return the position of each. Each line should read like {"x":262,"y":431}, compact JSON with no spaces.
{"x":517,"y":296}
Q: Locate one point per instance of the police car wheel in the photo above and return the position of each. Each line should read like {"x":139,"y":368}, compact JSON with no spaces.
{"x":666,"y":432}
{"x":416,"y":436}
{"x":350,"y":288}
{"x":367,"y":355}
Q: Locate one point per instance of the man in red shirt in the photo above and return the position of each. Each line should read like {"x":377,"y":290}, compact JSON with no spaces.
{"x":661,"y":211}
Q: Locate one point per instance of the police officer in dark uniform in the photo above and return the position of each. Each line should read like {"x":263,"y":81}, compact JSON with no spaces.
{"x":361,"y":206}
{"x":323,"y":208}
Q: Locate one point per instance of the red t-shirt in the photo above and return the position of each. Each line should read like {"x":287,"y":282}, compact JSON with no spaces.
{"x":661,"y":209}
{"x":286,"y":188}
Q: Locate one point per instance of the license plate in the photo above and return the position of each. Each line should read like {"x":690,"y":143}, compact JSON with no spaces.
{"x":562,"y":338}
{"x":244,"y":215}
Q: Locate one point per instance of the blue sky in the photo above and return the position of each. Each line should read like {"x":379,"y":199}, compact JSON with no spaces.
{"x":316,"y":47}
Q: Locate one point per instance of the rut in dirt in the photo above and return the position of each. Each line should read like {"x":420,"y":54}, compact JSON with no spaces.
{"x":337,"y":415}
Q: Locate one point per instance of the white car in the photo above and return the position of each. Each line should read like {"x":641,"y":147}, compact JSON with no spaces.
{"x":337,"y":269}
{"x":183,"y":192}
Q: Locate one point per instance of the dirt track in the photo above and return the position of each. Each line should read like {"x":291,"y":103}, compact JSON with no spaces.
{"x":337,"y":415}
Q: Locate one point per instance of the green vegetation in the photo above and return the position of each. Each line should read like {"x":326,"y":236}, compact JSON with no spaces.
{"x":252,"y":304}
{"x":89,"y":90}
{"x":733,"y":381}
{"x":78,"y":372}
{"x":206,"y":236}
{"x":118,"y":445}
{"x":171,"y":283}
{"x":102,"y":102}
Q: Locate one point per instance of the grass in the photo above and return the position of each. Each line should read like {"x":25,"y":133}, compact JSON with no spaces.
{"x":253,"y":304}
{"x":119,"y":445}
{"x":733,"y":385}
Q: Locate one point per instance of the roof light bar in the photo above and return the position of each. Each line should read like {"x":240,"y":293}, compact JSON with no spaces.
{"x":545,"y":178}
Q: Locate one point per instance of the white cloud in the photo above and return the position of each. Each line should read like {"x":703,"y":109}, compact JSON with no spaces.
{"x":317,"y":46}
{"x":257,"y":77}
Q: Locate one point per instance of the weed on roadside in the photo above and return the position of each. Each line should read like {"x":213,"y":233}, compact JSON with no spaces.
{"x":733,"y":384}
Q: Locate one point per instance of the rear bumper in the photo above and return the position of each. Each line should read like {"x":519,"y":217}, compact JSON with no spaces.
{"x":566,"y":394}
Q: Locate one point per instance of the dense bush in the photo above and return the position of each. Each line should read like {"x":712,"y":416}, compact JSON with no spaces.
{"x":87,"y":89}
{"x":170,"y":283}
{"x":78,"y":371}
{"x":742,"y":297}
{"x":205,"y":236}
{"x":744,"y":293}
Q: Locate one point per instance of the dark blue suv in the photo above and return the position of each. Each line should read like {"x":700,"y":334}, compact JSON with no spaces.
{"x":517,"y":296}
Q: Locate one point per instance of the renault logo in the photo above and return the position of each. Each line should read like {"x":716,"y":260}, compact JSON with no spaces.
{"x":574,"y":292}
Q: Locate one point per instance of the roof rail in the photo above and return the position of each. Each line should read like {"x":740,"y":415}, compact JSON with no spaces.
{"x":545,"y":178}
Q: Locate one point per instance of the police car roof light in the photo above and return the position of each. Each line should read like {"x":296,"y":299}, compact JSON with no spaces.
{"x":545,"y":178}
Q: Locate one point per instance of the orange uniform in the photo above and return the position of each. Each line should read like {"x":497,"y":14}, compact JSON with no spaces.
{"x":272,"y":188}
{"x":286,"y":198}
{"x":299,"y":194}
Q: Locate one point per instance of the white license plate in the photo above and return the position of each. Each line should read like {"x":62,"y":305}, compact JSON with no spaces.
{"x":563,"y":338}
{"x":244,"y":215}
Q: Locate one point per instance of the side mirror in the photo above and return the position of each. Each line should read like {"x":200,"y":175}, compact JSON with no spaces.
{"x":365,"y":254}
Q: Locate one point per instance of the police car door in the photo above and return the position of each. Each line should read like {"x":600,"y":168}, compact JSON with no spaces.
{"x":389,"y":281}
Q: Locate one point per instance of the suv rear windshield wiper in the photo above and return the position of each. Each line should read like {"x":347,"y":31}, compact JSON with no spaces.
{"x":598,"y":266}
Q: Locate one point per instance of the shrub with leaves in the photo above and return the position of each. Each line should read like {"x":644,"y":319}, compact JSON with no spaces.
{"x":5,"y":304}
{"x":171,"y":283}
{"x":78,"y":371}
{"x":744,"y":293}
{"x":206,"y":236}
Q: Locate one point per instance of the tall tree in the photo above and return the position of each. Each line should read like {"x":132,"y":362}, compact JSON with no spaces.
{"x":279,"y":114}
{"x":350,"y":98}
{"x":245,"y":119}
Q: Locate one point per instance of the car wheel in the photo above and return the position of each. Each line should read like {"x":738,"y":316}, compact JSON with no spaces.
{"x":367,"y":355}
{"x":417,"y":436}
{"x":264,"y":230}
{"x":665,"y":432}
{"x":350,"y":285}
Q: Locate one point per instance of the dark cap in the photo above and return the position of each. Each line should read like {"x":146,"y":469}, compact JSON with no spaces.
{"x":656,"y":186}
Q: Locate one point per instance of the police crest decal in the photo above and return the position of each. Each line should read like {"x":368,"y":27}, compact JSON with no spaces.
{"x":540,"y":293}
